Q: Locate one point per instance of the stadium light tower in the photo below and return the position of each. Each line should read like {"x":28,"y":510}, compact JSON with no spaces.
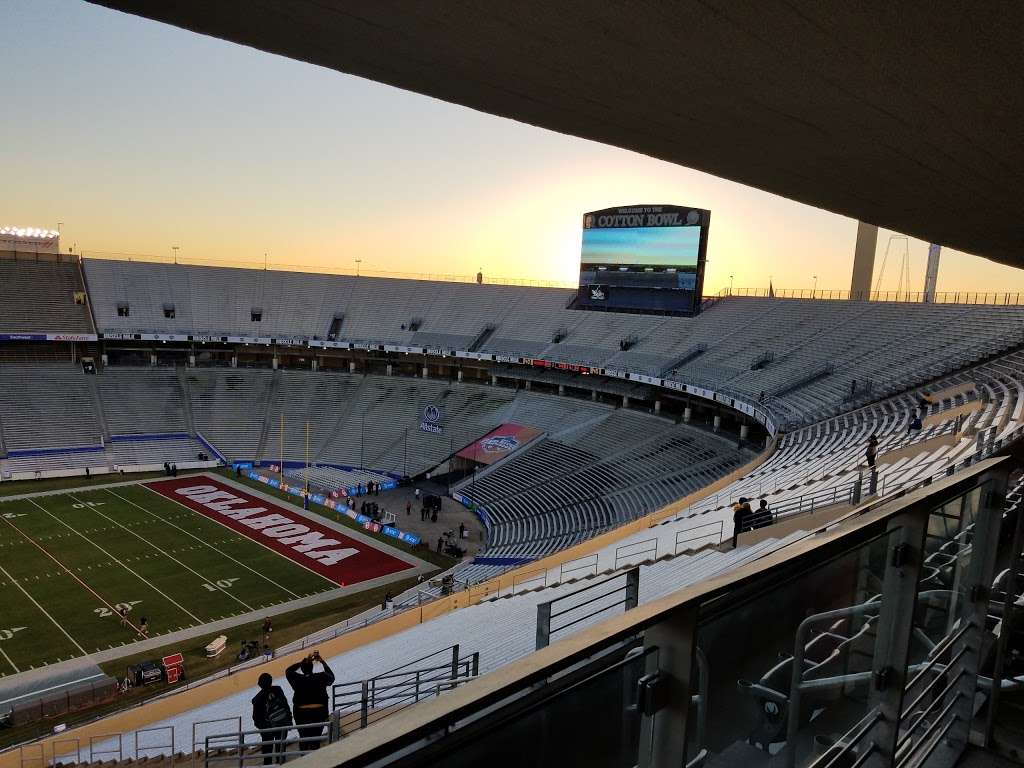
{"x":175,"y":249}
{"x":358,"y":262}
{"x":730,"y":285}
{"x":814,"y":290}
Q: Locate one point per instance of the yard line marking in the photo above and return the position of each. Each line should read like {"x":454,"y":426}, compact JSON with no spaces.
{"x":168,"y":554}
{"x":101,"y":549}
{"x":67,"y":570}
{"x":334,"y":585}
{"x":44,"y":611}
{"x":201,"y":540}
{"x":9,"y":659}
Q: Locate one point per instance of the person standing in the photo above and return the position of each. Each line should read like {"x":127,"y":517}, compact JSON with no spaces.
{"x":309,"y":701}
{"x":408,"y":508}
{"x":740,"y":515}
{"x":270,"y":710}
{"x":872,"y":450}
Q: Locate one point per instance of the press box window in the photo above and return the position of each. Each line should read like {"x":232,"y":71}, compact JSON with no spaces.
{"x":169,"y":311}
{"x":256,"y":314}
{"x":122,"y":310}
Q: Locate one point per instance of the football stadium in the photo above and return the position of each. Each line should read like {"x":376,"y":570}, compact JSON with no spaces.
{"x":254,"y":515}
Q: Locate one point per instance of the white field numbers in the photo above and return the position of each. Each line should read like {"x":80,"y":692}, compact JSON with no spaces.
{"x":220,"y":584}
{"x":126,"y":607}
{"x":8,"y":634}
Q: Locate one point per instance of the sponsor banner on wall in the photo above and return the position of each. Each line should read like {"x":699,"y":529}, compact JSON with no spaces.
{"x":498,"y":443}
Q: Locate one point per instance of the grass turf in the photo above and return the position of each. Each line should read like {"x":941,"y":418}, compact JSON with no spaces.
{"x":69,"y":562}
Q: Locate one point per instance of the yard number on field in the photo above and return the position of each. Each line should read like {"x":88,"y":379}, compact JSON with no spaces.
{"x":84,"y":504}
{"x":8,"y":634}
{"x":220,"y":584}
{"x":12,"y":515}
{"x":103,"y":612}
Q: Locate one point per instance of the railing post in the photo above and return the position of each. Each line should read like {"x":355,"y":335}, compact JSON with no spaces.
{"x":364,"y":705}
{"x":632,"y":588}
{"x":904,"y":557}
{"x":543,"y":625}
{"x":334,"y":732}
{"x":476,"y":663}
{"x":241,"y":748}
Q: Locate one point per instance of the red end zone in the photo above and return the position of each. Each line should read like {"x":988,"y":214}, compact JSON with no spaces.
{"x":325,"y":551}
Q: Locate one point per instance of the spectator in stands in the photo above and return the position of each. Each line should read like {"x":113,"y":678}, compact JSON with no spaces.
{"x":741,"y":514}
{"x":268,"y":627}
{"x":310,"y":699}
{"x":416,"y":493}
{"x":763,"y":516}
{"x":408,"y":508}
{"x":385,"y":601}
{"x":462,"y":530}
{"x":915,"y":423}
{"x":872,"y":450}
{"x":270,"y":710}
{"x":440,"y":544}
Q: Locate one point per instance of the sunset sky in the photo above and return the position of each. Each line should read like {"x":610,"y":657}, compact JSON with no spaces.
{"x":138,"y":136}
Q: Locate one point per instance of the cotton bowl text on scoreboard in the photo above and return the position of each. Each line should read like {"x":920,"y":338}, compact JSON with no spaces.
{"x":644,"y":258}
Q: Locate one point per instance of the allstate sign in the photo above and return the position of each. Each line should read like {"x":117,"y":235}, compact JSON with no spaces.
{"x":431,"y":421}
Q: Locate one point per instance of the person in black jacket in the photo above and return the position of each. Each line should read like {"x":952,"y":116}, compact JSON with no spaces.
{"x":270,"y":710}
{"x":310,"y":700}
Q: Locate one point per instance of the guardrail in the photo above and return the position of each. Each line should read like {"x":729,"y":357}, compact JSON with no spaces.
{"x":546,"y":612}
{"x":991,"y":298}
{"x":359,"y":703}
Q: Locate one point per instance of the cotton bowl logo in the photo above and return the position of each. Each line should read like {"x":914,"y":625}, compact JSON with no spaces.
{"x":500,"y":444}
{"x":431,"y":417}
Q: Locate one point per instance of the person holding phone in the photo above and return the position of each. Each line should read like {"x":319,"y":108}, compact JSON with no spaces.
{"x":309,"y":702}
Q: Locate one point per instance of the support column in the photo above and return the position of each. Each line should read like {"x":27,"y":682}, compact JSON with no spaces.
{"x":314,"y":364}
{"x":561,"y":389}
{"x":625,"y":401}
{"x":657,"y":406}
{"x":103,"y":359}
{"x":718,"y":423}
{"x":351,"y":366}
{"x":863,"y":261}
{"x":931,"y":273}
{"x":460,"y":374}
{"x":191,"y":360}
{"x":152,"y":358}
{"x":424,"y":371}
{"x":744,"y":431}
{"x":663,"y":734}
{"x":273,"y":362}
{"x":593,"y":395}
{"x":234,"y":361}
{"x":494,"y":380}
{"x":390,"y":370}
{"x":526,"y":385}
{"x":687,"y":414}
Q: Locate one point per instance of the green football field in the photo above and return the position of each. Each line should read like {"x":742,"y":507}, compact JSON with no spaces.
{"x":70,"y":563}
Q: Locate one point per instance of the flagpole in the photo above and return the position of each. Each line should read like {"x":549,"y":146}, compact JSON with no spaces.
{"x":281,"y":433}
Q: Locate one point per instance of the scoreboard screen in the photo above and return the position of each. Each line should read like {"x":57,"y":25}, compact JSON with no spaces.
{"x":643,"y":258}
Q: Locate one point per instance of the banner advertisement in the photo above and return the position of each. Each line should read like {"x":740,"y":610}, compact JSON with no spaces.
{"x":499,"y":443}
